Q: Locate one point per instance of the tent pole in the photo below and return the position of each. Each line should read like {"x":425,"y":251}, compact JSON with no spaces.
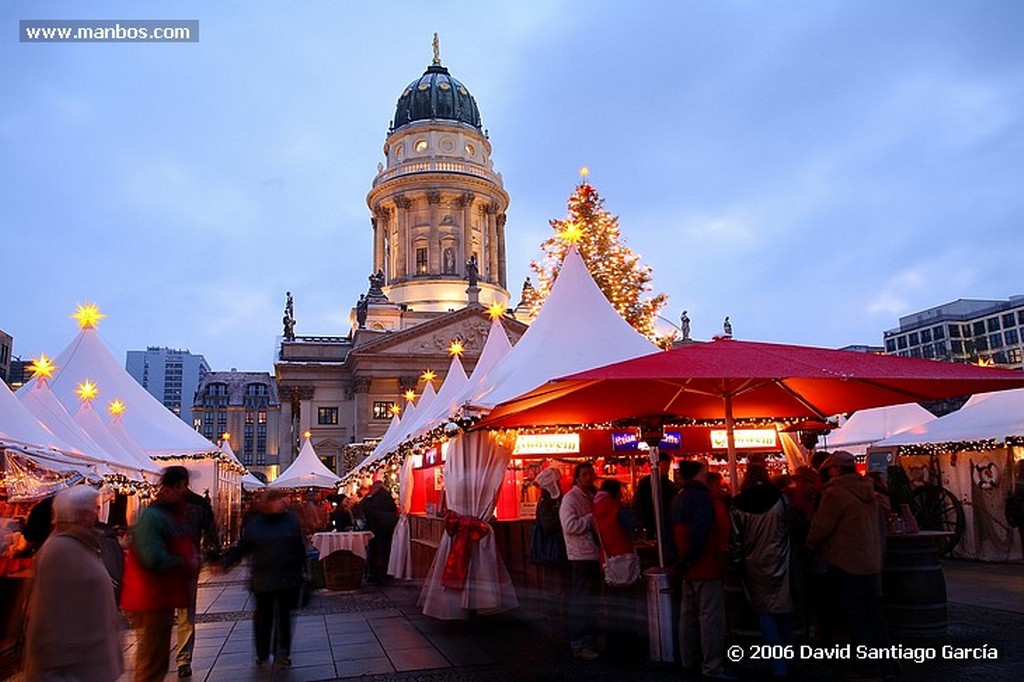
{"x":730,"y":439}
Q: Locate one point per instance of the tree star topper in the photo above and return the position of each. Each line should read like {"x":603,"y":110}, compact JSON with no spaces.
{"x":116,"y":408}
{"x":88,"y":315}
{"x":573,"y":232}
{"x":42,"y":367}
{"x":87,"y":390}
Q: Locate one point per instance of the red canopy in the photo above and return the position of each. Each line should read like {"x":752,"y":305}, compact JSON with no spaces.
{"x":731,"y":379}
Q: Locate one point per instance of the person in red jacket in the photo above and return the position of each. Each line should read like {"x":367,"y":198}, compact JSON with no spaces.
{"x":700,"y":525}
{"x":612,"y":520}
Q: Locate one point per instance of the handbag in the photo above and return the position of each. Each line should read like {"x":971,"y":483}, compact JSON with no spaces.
{"x":622,"y":570}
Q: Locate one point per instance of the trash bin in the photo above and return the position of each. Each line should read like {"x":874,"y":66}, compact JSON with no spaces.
{"x":659,"y":616}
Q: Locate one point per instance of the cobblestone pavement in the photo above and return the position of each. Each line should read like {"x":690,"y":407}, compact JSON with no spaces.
{"x":377,"y":633}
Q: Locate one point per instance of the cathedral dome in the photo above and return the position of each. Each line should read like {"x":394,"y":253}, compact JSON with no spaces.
{"x":436,"y":96}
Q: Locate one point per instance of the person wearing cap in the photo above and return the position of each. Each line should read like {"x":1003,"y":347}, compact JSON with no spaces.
{"x":845,"y":529}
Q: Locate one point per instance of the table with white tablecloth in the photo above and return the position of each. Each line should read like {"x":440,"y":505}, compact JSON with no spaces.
{"x":355,"y":542}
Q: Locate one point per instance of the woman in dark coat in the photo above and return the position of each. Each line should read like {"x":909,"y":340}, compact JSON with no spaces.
{"x":273,"y":538}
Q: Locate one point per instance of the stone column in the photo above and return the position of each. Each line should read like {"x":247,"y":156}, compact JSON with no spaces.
{"x":403,"y":263}
{"x":502,"y":264}
{"x":492,"y":243}
{"x":466,"y":202}
{"x":381,"y":222}
{"x":433,"y":245}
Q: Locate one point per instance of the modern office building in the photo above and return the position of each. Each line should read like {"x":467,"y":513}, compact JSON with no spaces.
{"x":965,"y":330}
{"x":246,"y":406}
{"x":170,"y":375}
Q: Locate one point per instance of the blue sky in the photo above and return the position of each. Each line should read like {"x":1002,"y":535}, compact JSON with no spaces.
{"x":812,"y":169}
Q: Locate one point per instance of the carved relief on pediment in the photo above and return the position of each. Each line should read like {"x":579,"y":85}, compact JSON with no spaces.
{"x":473,"y":334}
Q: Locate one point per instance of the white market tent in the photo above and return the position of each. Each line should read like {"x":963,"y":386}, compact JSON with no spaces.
{"x":867,"y":427}
{"x":987,"y":416}
{"x":307,"y":471}
{"x":975,"y":448}
{"x":575,"y":330}
{"x":117,"y":455}
{"x":38,"y":398}
{"x":153,"y":426}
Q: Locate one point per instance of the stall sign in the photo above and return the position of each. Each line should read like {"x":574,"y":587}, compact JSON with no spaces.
{"x":547,"y":444}
{"x":672,"y":440}
{"x":625,"y":441}
{"x":745,"y":438}
{"x":879,"y":462}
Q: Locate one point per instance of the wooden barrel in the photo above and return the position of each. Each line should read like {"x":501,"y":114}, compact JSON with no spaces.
{"x":343,"y":570}
{"x":914,"y":588}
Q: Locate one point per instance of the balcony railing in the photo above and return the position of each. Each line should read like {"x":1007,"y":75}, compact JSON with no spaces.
{"x":437,"y":166}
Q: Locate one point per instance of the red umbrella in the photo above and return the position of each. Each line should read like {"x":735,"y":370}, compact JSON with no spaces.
{"x":732,"y":379}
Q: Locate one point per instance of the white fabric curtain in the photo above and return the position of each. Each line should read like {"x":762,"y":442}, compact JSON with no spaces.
{"x":473,"y":473}
{"x":400,"y":564}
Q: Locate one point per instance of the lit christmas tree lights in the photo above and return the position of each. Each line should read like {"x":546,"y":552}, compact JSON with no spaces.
{"x":614,"y":266}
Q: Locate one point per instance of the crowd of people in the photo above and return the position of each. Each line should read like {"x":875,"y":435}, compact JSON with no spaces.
{"x":804,"y":547}
{"x":150,"y":575}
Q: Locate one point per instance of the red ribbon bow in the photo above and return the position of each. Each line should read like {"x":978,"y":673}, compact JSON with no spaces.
{"x":463,"y":530}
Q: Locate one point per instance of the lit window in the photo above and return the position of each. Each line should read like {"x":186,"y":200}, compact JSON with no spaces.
{"x":327,"y":415}
{"x":421,"y":145}
{"x":382,"y":409}
{"x":421,"y":261}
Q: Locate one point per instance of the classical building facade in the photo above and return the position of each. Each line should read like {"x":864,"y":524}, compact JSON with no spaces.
{"x":438,"y":220}
{"x":246,"y":406}
{"x":965,"y":330}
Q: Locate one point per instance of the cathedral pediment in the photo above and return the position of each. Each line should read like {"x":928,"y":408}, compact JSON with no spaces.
{"x":433,"y":338}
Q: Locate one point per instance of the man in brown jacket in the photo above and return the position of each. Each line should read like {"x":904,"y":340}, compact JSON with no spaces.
{"x":846,"y":531}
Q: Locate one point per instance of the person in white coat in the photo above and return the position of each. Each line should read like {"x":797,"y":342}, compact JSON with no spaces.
{"x":576,"y":515}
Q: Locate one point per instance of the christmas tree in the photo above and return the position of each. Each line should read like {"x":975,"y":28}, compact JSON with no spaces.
{"x":613,"y":265}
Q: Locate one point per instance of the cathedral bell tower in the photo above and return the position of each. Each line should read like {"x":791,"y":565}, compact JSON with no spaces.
{"x":437,"y":203}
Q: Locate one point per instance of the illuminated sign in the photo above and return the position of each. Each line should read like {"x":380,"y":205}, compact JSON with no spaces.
{"x":672,"y":440}
{"x":547,"y":443}
{"x":745,"y":438}
{"x":625,"y":441}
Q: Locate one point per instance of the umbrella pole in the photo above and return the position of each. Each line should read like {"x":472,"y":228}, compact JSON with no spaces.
{"x":730,"y":439}
{"x":659,"y":522}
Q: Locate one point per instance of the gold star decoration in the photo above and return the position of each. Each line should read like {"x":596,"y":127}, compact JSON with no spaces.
{"x":88,"y":315}
{"x":225,"y":436}
{"x":87,"y":390}
{"x":116,"y":407}
{"x":307,"y":435}
{"x":573,"y":232}
{"x":409,"y":395}
{"x":584,"y":172}
{"x":396,"y":409}
{"x":428,"y":375}
{"x":495,"y":310}
{"x":42,"y":367}
{"x":456,"y":347}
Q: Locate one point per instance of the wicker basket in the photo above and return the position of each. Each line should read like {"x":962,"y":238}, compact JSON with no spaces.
{"x":343,"y":570}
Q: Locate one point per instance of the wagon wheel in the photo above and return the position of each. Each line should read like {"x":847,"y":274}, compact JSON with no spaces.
{"x":936,"y":508}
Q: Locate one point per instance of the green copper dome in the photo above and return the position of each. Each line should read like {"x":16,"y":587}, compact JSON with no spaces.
{"x":436,"y":96}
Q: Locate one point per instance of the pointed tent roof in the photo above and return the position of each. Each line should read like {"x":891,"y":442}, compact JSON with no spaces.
{"x":39,"y":399}
{"x":250,"y":482}
{"x":867,"y":427}
{"x":117,"y":455}
{"x":575,"y":330}
{"x":152,"y":425}
{"x":21,"y":430}
{"x":226,"y":448}
{"x":495,"y":348}
{"x":994,"y":416}
{"x":117,"y":430}
{"x":392,"y":439}
{"x":444,"y":403}
{"x":307,"y":471}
